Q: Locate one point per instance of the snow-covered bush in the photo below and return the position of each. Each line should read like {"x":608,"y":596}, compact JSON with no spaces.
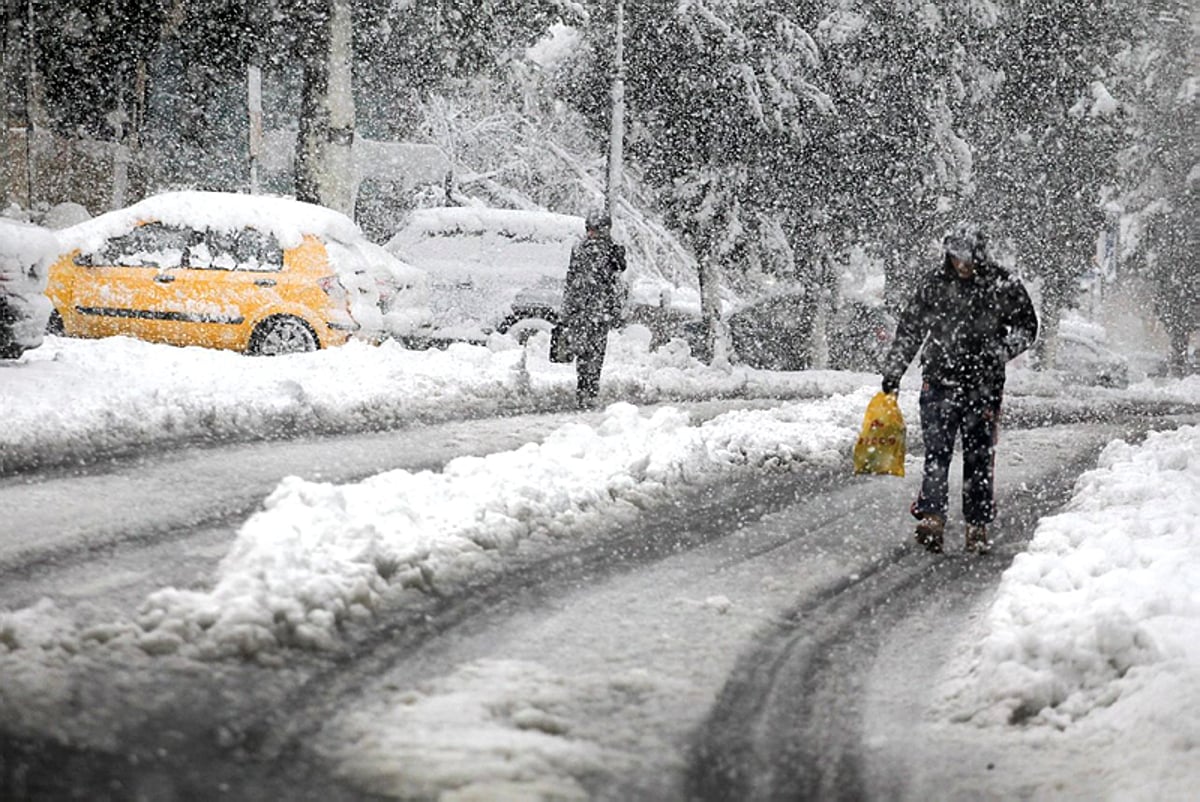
{"x":26,"y":251}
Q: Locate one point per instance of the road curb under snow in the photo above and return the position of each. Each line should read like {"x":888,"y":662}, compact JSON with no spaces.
{"x":75,"y":403}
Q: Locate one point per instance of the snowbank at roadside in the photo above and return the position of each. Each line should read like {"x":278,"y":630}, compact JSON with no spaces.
{"x":321,"y":553}
{"x":74,"y":400}
{"x":1095,"y":630}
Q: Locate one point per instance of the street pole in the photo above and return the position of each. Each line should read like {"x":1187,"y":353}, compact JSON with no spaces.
{"x":616,"y":136}
{"x":29,"y":82}
{"x":255,"y":108}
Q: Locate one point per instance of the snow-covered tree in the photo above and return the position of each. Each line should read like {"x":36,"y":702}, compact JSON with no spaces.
{"x":515,"y":144}
{"x":1049,"y":143}
{"x":1162,"y":166}
{"x":407,"y":50}
{"x":891,"y":166}
{"x":717,"y":91}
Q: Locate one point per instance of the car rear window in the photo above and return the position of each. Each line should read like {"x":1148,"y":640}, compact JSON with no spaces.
{"x":244,"y":249}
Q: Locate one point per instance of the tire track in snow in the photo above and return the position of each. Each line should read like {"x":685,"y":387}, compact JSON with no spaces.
{"x":789,"y":722}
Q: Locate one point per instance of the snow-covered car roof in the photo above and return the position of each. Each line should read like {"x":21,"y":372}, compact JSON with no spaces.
{"x":286,"y":218}
{"x":512,"y":224}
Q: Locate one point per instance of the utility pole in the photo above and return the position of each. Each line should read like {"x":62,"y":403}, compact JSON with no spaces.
{"x":255,"y":109}
{"x":256,"y":22}
{"x":29,"y":88}
{"x":616,"y":135}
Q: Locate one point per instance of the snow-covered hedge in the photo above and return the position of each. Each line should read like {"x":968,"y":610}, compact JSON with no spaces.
{"x":26,"y":252}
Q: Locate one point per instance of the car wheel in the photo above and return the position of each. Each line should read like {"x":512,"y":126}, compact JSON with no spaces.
{"x":10,"y":347}
{"x":282,"y":335}
{"x":504,"y":325}
{"x":526,"y":327}
{"x":55,"y":324}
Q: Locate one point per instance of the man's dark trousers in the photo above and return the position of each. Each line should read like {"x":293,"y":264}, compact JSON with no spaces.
{"x":589,"y":361}
{"x":945,"y":412}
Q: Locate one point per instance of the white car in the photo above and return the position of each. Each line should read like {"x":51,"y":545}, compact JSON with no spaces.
{"x":25,"y":255}
{"x":483,"y":264}
{"x":1086,"y":361}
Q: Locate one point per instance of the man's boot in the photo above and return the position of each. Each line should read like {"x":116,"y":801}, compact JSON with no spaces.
{"x":930,"y":530}
{"x":977,"y":539}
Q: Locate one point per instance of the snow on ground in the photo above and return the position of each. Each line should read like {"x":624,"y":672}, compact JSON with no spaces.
{"x":117,"y":393}
{"x":492,"y":730}
{"x":1101,"y":615}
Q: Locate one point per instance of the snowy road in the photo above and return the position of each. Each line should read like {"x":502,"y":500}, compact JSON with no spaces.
{"x":811,"y":712}
{"x":64,"y":530}
{"x":156,"y":501}
{"x":763,"y":636}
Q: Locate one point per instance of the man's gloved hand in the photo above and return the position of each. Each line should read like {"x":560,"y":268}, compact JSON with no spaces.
{"x":891,"y":385}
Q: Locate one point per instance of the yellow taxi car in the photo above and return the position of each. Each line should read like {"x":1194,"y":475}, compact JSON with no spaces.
{"x":257,"y":274}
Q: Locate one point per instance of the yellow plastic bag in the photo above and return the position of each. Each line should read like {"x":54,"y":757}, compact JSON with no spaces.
{"x":880,"y":447}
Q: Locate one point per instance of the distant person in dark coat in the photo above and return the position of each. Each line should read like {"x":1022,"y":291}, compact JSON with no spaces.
{"x":592,"y":303}
{"x":968,"y":318}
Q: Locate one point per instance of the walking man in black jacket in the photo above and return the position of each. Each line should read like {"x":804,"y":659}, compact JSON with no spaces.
{"x":592,"y":303}
{"x":968,"y":318}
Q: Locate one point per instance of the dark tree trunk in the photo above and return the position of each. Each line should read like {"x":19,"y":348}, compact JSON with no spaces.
{"x":312,"y":48}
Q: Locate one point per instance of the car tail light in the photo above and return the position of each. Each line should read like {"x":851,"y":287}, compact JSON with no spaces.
{"x":387,"y":293}
{"x":332,"y":287}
